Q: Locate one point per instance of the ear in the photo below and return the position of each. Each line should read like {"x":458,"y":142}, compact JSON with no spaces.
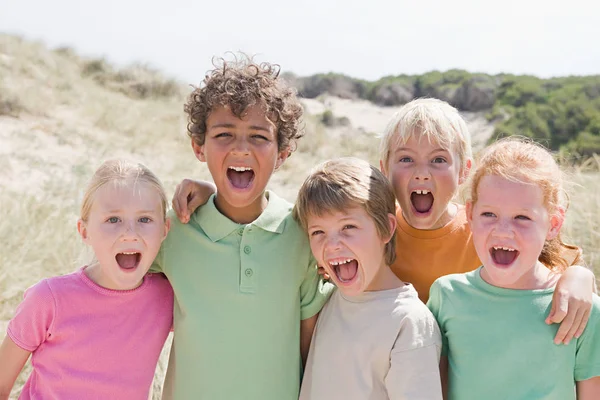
{"x":167,"y":227}
{"x":82,"y":229}
{"x":556,"y":222}
{"x":393,"y":222}
{"x":383,"y":169}
{"x":469,"y":211}
{"x":281,"y":157}
{"x":464,"y":172}
{"x":198,"y":151}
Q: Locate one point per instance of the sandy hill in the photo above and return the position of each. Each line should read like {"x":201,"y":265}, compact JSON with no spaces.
{"x":61,"y":114}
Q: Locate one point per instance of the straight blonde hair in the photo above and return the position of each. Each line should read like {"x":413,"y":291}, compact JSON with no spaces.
{"x":434,"y":119}
{"x":120,"y":172}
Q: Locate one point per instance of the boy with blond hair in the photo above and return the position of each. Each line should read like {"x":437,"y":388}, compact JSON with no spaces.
{"x":247,"y":292}
{"x":426,"y":155}
{"x":374,"y":338}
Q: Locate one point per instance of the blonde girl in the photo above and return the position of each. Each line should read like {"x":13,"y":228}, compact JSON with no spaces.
{"x":97,"y":333}
{"x":492,"y":318}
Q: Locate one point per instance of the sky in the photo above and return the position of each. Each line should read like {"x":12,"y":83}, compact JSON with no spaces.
{"x":365,"y":39}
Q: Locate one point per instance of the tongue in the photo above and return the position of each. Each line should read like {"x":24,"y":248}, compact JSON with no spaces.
{"x":127,"y":261}
{"x":347,"y":271}
{"x":240,"y":180}
{"x":504,"y":257}
{"x":422,"y":202}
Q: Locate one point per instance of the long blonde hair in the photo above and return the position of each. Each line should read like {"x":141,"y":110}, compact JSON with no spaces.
{"x":524,"y":161}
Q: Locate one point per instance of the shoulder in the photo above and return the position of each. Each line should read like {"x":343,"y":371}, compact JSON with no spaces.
{"x":55,"y":286}
{"x":418,"y":326}
{"x":159,"y":283}
{"x":453,"y":282}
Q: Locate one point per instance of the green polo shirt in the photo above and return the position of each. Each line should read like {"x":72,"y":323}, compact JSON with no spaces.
{"x":240,"y":293}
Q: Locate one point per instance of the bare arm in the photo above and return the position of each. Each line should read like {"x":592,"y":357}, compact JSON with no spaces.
{"x":307,"y":327}
{"x":189,"y":195}
{"x":12,"y":360}
{"x":444,"y":375}
{"x":589,"y":389}
{"x":572,"y":303}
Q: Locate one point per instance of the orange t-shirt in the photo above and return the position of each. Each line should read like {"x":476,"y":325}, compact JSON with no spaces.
{"x":422,"y":256}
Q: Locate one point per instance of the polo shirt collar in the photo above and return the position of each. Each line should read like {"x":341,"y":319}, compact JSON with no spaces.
{"x":217,"y":226}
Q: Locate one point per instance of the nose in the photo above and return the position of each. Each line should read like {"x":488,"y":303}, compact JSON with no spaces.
{"x":503,"y":229}
{"x":422,"y":172}
{"x":332,"y":243}
{"x":129,"y":232}
{"x":241,"y":147}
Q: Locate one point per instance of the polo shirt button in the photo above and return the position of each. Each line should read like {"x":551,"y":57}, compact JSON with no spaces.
{"x":247,"y":249}
{"x":248,"y":272}
{"x":241,"y":231}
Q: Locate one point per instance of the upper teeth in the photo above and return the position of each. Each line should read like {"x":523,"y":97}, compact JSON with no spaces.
{"x":129,"y":252}
{"x":503,"y":248}
{"x":241,"y":169}
{"x":421,"y":191}
{"x":340,"y":262}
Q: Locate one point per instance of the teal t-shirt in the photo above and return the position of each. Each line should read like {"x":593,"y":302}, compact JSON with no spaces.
{"x":499,"y":347}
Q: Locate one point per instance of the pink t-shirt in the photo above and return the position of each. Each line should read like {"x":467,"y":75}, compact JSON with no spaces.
{"x":89,"y":342}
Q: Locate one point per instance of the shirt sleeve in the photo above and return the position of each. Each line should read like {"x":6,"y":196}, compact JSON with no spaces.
{"x":314,"y":292}
{"x":435,"y":304}
{"x":587,"y":356}
{"x":414,"y":362}
{"x":34,"y":318}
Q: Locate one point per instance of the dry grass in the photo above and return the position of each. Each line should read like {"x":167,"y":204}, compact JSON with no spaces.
{"x":59,"y":119}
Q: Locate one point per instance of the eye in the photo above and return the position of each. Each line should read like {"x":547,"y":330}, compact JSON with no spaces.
{"x":438,"y":160}
{"x":316,"y":232}
{"x":349,"y":226}
{"x":487,"y":214}
{"x":223,"y":135}
{"x":145,"y":220}
{"x":523,"y":218}
{"x":113,"y":220}
{"x":260,"y":137}
{"x":405,"y":160}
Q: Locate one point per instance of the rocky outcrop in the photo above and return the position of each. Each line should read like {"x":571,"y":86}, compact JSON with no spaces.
{"x":333,"y":84}
{"x":392,"y":93}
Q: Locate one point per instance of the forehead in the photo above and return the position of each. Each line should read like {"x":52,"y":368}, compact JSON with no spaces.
{"x":326,"y":217}
{"x":118,"y":195}
{"x":255,"y":116}
{"x":421,"y":144}
{"x":499,"y":191}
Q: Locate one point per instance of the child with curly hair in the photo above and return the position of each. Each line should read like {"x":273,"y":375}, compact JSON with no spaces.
{"x":247,"y":292}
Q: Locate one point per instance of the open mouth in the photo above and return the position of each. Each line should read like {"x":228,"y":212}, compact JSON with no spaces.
{"x":240,"y":177}
{"x":503,"y":255}
{"x":422,"y":200}
{"x":345,"y":270}
{"x":128,"y":260}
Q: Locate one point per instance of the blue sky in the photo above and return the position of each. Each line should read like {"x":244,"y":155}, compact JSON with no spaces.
{"x":364,"y":39}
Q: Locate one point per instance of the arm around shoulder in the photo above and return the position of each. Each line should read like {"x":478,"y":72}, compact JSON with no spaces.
{"x":314,"y":291}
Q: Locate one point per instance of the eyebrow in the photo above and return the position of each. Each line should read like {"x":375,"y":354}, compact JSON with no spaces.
{"x":252,"y":127}
{"x":438,"y":150}
{"x":117,"y":211}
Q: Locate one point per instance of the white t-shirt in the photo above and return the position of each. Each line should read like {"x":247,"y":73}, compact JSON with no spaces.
{"x":378,"y":345}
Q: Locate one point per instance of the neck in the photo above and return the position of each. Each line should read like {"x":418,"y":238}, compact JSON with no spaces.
{"x":245,"y":214}
{"x":385,"y":280}
{"x":538,"y":277}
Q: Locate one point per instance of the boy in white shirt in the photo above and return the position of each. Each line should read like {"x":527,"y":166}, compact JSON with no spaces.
{"x":374,"y":338}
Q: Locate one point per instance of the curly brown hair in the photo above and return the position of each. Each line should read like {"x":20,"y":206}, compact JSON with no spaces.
{"x":242,"y":83}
